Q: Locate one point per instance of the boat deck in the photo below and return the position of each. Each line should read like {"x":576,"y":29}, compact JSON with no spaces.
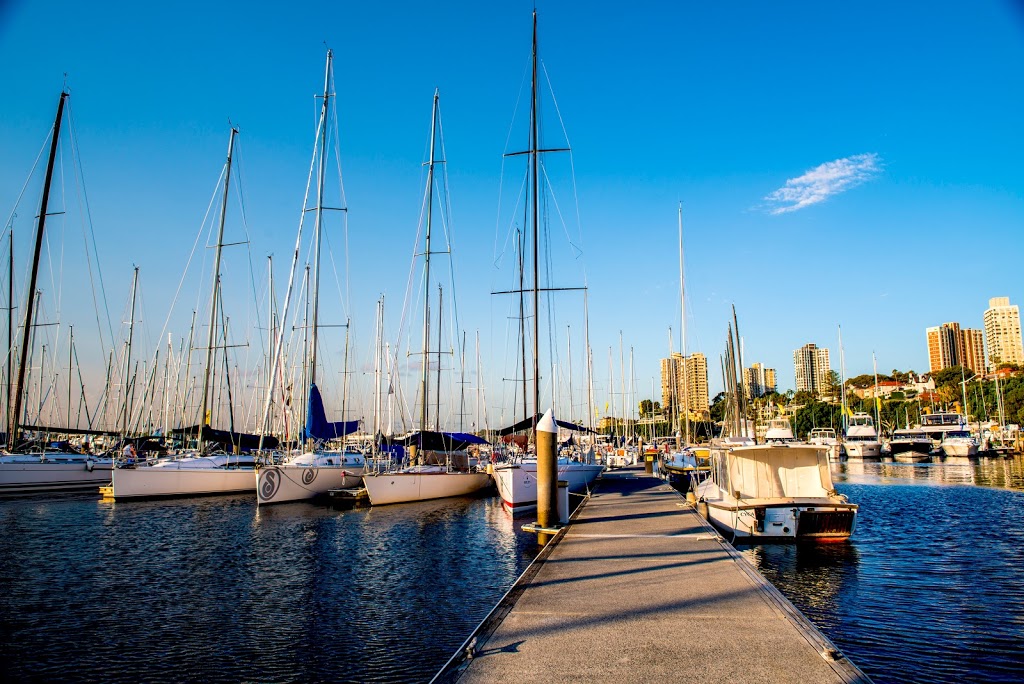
{"x":639,"y":588}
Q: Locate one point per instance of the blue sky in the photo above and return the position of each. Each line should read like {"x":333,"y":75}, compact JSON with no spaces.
{"x":894,"y":126}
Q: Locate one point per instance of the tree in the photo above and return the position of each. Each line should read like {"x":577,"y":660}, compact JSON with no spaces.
{"x":833,"y":386}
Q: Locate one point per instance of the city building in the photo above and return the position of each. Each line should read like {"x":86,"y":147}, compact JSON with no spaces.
{"x":812,"y":369}
{"x":949,"y":345}
{"x":759,"y":381}
{"x":690,"y":373}
{"x":1002,"y":332}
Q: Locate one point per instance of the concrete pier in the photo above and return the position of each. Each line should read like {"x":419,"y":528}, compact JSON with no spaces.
{"x":639,"y":588}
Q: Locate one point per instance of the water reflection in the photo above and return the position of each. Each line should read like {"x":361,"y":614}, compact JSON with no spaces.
{"x":1003,"y":473}
{"x":929,"y":589}
{"x":220,"y":590}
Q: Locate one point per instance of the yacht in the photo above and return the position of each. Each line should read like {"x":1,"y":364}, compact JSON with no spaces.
{"x":774,"y":492}
{"x":861,"y":439}
{"x":826,"y":437}
{"x":910,"y":444}
{"x":780,"y":431}
{"x":937,"y":425}
{"x":959,"y":443}
{"x":688,"y":465}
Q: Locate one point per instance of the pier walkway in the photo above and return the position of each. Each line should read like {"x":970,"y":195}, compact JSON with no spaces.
{"x":639,"y":588}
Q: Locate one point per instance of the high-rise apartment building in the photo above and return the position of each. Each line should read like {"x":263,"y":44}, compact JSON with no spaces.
{"x":812,"y":369}
{"x":690,"y":373}
{"x":1002,"y":332}
{"x":949,"y":345}
{"x":759,"y":381}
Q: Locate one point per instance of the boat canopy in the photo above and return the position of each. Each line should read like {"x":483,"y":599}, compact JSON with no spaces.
{"x":440,"y":441}
{"x":227,"y":438}
{"x":529,"y":423}
{"x":317,"y":425}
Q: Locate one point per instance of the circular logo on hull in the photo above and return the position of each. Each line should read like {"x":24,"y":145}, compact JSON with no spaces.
{"x":270,"y":482}
{"x":308,"y":475}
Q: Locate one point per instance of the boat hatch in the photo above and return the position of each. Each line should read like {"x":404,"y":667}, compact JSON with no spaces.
{"x":824,"y":523}
{"x":759,"y":518}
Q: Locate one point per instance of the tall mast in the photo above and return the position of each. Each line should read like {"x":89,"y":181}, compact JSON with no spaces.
{"x":568,"y":354}
{"x":279,"y":343}
{"x":317,"y":227}
{"x":842,"y":382}
{"x":878,"y":418}
{"x":12,"y":434}
{"x":425,"y":380}
{"x":71,"y":358}
{"x":682,"y":334}
{"x":534,"y":149}
{"x":10,"y":319}
{"x":589,"y":362}
{"x":128,"y":352}
{"x":437,"y":394}
{"x":214,"y":297}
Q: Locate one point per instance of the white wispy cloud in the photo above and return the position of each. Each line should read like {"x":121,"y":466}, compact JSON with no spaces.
{"x":822,"y":182}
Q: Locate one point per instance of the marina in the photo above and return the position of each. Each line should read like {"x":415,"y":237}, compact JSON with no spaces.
{"x":403,"y":587}
{"x":463,"y":413}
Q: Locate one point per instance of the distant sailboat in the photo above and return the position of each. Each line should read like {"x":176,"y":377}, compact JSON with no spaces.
{"x":443,"y":467}
{"x":517,"y":480}
{"x":32,"y":470}
{"x":201,"y":473}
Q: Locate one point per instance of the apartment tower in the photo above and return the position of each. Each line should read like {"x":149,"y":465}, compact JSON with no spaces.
{"x":812,"y":368}
{"x":1002,"y":332}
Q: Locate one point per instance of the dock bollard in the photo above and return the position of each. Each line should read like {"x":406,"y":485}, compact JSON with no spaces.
{"x":547,"y":475}
{"x":563,"y":502}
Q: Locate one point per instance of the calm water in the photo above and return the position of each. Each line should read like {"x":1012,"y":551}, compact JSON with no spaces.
{"x":931,"y":587}
{"x":214,"y":589}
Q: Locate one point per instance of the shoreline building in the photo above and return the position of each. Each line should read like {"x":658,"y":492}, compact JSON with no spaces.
{"x":1002,"y":332}
{"x":674,"y":375}
{"x":759,"y":381}
{"x":949,"y":345}
{"x":812,"y":368}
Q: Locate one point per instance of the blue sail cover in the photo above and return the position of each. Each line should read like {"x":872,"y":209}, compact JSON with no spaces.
{"x":317,"y":425}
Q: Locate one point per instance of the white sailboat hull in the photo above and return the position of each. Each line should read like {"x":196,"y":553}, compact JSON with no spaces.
{"x":147,"y":482}
{"x":392,"y":488}
{"x":23,"y":476}
{"x":282,"y":483}
{"x":517,"y":483}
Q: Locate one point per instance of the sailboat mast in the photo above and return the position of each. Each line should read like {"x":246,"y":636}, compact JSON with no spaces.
{"x":874,"y":368}
{"x":682,"y":334}
{"x":212,"y":337}
{"x":10,"y":318}
{"x":589,"y":362}
{"x":534,"y":148}
{"x":842,"y":382}
{"x":318,"y":225}
{"x":12,"y":434}
{"x":425,"y":379}
{"x":128,"y":352}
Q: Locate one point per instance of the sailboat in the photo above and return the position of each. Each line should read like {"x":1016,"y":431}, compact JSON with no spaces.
{"x":517,"y":480}
{"x":42,"y":470}
{"x":316,"y":471}
{"x":441,"y":465}
{"x":196,"y":473}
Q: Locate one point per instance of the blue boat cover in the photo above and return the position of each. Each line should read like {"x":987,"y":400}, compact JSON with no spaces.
{"x":317,"y":425}
{"x":441,"y":441}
